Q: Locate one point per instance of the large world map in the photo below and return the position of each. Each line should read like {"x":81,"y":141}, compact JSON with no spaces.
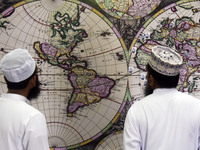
{"x":89,"y":75}
{"x":82,"y":63}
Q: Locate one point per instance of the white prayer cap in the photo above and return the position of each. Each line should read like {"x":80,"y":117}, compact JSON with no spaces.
{"x":165,"y":61}
{"x":17,"y":65}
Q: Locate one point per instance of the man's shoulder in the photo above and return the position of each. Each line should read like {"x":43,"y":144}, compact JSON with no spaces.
{"x":25,"y":108}
{"x":188,"y":101}
{"x":143,"y":101}
{"x":32,"y":110}
{"x":187,"y":96}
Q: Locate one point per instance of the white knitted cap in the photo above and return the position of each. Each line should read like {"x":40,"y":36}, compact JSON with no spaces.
{"x":17,"y":65}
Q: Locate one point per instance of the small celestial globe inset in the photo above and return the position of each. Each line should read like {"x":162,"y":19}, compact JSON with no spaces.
{"x":128,"y":9}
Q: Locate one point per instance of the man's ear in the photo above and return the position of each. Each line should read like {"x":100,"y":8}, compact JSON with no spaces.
{"x":32,"y":82}
{"x":152,"y":82}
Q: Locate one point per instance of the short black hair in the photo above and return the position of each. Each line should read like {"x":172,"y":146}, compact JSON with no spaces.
{"x":162,"y":80}
{"x":19,"y":85}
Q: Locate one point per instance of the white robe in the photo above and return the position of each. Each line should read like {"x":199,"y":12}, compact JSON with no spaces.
{"x":22,"y":127}
{"x":164,"y":120}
